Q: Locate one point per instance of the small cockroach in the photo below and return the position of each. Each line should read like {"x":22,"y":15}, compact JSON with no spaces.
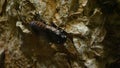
{"x":56,"y":35}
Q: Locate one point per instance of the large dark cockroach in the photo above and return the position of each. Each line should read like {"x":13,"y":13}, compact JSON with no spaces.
{"x":56,"y":35}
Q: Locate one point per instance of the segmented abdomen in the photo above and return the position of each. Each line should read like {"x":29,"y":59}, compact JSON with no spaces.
{"x":37,"y":24}
{"x":56,"y":35}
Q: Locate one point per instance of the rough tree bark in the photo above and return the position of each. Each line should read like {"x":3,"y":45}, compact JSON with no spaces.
{"x":92,"y":27}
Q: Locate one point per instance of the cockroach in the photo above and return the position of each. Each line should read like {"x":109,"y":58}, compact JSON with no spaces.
{"x":56,"y":35}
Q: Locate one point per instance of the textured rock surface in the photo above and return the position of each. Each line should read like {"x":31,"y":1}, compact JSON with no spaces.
{"x":93,"y":39}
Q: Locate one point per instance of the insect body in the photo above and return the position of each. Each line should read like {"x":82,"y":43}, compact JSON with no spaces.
{"x":56,"y":35}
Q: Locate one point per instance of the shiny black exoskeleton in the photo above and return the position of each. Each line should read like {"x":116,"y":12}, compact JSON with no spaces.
{"x":56,"y":35}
